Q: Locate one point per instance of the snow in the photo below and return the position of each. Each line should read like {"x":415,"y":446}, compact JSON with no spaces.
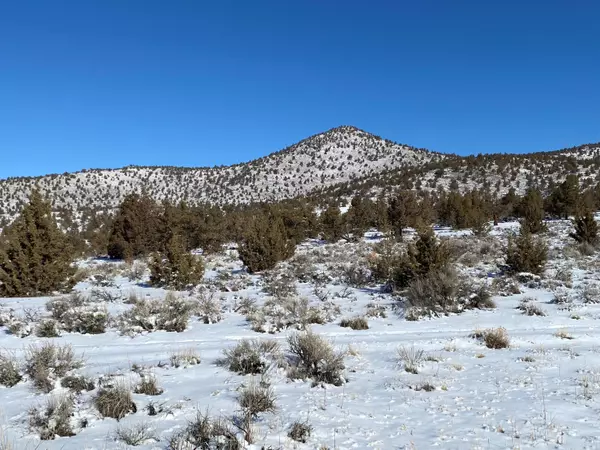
{"x":542,"y":392}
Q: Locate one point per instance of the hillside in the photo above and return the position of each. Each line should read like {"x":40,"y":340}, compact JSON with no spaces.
{"x":341,"y":161}
{"x":337,"y":156}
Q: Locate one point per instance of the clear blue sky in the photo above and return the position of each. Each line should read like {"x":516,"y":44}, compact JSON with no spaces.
{"x":107,"y":83}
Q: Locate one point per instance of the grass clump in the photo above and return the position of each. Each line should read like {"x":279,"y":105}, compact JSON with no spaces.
{"x":78,"y":383}
{"x":148,"y":385}
{"x":184,"y":358}
{"x":411,"y":357}
{"x":356,"y":323}
{"x":115,"y":401}
{"x":494,"y":338}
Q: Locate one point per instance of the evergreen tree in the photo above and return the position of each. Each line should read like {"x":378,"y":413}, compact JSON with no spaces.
{"x":531,"y":209}
{"x":176,"y":267}
{"x":565,"y":199}
{"x":331,"y":224}
{"x":137,"y":229}
{"x":402,"y":212}
{"x":526,"y":254}
{"x":586,"y":229}
{"x":35,"y":255}
{"x":265,"y":242}
{"x":357,"y":219}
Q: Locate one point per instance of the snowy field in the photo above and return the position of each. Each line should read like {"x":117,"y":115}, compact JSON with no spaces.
{"x":541,"y":392}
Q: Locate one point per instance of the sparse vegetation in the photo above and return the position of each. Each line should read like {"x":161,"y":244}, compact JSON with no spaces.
{"x":250,"y":357}
{"x":314,"y":357}
{"x":356,"y":323}
{"x":115,"y":401}
{"x":47,"y":362}
{"x":54,"y":418}
{"x":10,"y":374}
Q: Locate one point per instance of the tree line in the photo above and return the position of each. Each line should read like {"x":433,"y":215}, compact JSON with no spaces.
{"x":36,"y":254}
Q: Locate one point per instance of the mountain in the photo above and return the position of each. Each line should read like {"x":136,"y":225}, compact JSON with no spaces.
{"x":339,"y":162}
{"x":339,"y":155}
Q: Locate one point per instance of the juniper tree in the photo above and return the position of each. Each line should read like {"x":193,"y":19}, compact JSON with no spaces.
{"x":35,"y":255}
{"x":331,"y":224}
{"x":265,"y":242}
{"x":526,"y":253}
{"x":176,"y":267}
{"x":402,"y":212}
{"x":586,"y":229}
{"x":531,"y":209}
{"x":136,"y":230}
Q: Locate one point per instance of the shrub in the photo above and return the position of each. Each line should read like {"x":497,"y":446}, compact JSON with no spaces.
{"x":205,"y":432}
{"x":209,"y":307}
{"x":136,"y":434}
{"x":136,"y":271}
{"x":176,"y":267}
{"x":250,"y":357}
{"x":47,"y":328}
{"x":77,"y":383}
{"x":315,"y":358}
{"x":47,"y":362}
{"x":526,"y":254}
{"x":300,"y":431}
{"x":36,"y":256}
{"x":115,"y":401}
{"x":148,"y":386}
{"x":10,"y":374}
{"x":255,"y":399}
{"x":437,"y":292}
{"x":54,"y":419}
{"x":411,"y":357}
{"x":494,"y":338}
{"x":171,"y":314}
{"x":185,"y":357}
{"x":76,"y":314}
{"x":356,"y":323}
{"x":529,"y":308}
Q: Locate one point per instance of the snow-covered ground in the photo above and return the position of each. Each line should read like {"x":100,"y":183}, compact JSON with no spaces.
{"x":541,"y":392}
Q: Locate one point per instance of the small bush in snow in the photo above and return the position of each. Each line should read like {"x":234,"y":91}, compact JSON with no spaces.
{"x":115,"y":401}
{"x":205,"y":432}
{"x":250,"y":357}
{"x":47,"y":328}
{"x":135,"y":435}
{"x":185,"y":357}
{"x":436,"y":293}
{"x":374,"y":310}
{"x":295,"y":312}
{"x":591,"y":293}
{"x":77,"y":383}
{"x":9,"y":370}
{"x":411,"y":357}
{"x":300,"y":431}
{"x":54,"y":418}
{"x":494,"y":338}
{"x":356,"y":323}
{"x":529,"y":308}
{"x":355,"y":275}
{"x":171,"y":314}
{"x":209,"y":307}
{"x":47,"y":362}
{"x":280,"y":286}
{"x":148,"y":385}
{"x":75,"y":314}
{"x":256,"y":399}
{"x":136,"y":270}
{"x":314,"y":357}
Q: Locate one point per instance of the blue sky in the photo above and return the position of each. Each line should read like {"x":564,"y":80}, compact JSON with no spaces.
{"x":107,"y":83}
